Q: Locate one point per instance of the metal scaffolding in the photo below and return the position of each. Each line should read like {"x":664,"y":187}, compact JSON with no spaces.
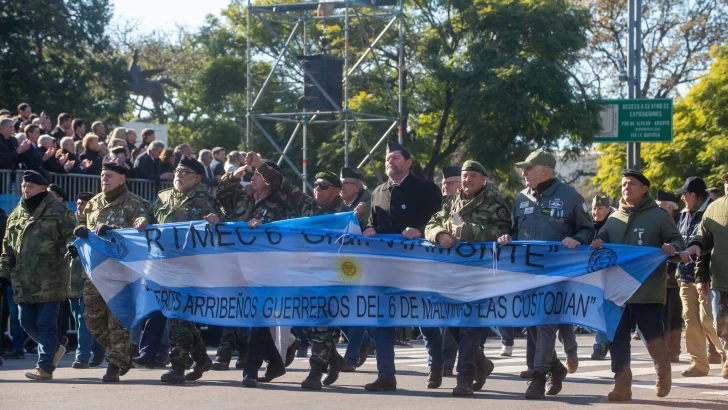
{"x":297,"y":17}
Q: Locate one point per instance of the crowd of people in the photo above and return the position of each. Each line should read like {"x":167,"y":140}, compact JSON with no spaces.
{"x":692,"y":285}
{"x":29,"y":141}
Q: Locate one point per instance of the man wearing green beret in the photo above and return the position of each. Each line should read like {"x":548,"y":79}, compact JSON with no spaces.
{"x":475,"y":213}
{"x":548,"y":210}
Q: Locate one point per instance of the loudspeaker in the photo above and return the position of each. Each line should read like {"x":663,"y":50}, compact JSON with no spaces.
{"x":328,"y":72}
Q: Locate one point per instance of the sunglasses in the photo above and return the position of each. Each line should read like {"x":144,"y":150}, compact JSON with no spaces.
{"x":322,"y":185}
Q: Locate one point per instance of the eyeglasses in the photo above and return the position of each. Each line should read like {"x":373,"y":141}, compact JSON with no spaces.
{"x":183,"y":171}
{"x":322,"y":185}
{"x":345,"y":182}
{"x":449,"y":183}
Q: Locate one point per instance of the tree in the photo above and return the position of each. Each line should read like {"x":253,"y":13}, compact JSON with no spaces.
{"x":56,"y":56}
{"x":699,"y":146}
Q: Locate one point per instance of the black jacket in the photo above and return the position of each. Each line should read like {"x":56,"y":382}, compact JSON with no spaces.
{"x":95,"y":168}
{"x":51,"y":164}
{"x":148,"y":168}
{"x":688,"y":226}
{"x":76,"y":169}
{"x":8,"y":154}
{"x":58,"y":133}
{"x":408,"y":205}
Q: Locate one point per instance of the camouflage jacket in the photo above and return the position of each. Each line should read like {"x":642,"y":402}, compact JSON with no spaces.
{"x":174,"y":206}
{"x":33,"y":251}
{"x":119,"y":212}
{"x":311,"y":208}
{"x":485,"y":217}
{"x":78,"y":276}
{"x":239,"y":203}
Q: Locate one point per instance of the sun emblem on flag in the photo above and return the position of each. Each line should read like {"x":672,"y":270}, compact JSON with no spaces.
{"x":349,"y":270}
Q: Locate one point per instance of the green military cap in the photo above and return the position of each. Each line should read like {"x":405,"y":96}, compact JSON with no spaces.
{"x":330,"y":177}
{"x":600,"y":200}
{"x":474,"y":166}
{"x":538,"y":158}
{"x":351,"y":173}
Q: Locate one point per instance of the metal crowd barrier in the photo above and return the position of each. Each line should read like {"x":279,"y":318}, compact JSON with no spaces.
{"x":74,"y":184}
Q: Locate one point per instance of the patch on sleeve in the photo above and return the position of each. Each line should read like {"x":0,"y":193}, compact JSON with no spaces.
{"x":586,"y":208}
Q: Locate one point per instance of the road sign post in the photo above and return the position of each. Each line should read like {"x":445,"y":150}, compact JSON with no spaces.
{"x":636,"y":121}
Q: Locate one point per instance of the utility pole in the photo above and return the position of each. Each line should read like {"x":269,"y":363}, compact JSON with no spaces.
{"x":634,"y":67}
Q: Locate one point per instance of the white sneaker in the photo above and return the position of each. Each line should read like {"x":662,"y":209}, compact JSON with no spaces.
{"x":506,"y":351}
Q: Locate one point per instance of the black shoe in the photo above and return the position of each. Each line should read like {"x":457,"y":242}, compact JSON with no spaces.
{"x":17,"y":354}
{"x":143,"y":361}
{"x":313,"y":381}
{"x":112,"y":374}
{"x":536,"y":387}
{"x":364,"y":353}
{"x":175,"y":375}
{"x":97,"y":360}
{"x":200,"y":367}
{"x":291,"y":352}
{"x":80,"y":365}
{"x":434,"y":379}
{"x":599,"y":354}
{"x":240,"y":363}
{"x":556,"y":377}
{"x":336,"y":364}
{"x":220,"y":365}
{"x":250,"y":382}
{"x":271,"y":374}
{"x":161,"y":361}
{"x":382,"y":384}
{"x":483,"y":368}
{"x":302,"y":351}
{"x":447,"y":372}
{"x":462,"y":389}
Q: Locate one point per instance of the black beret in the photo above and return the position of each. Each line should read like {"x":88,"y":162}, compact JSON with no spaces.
{"x":34,"y":178}
{"x":273,"y":165}
{"x":118,"y":150}
{"x":394,"y":146}
{"x":637,"y":175}
{"x":451,"y":171}
{"x":192,"y":164}
{"x":112,"y":166}
{"x":351,"y":173}
{"x":666,"y":196}
{"x":331,"y":177}
{"x":85,"y":196}
{"x":59,"y":191}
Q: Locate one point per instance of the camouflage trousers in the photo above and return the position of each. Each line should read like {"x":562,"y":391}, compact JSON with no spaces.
{"x":186,"y":341}
{"x":105,"y":327}
{"x":720,"y":316}
{"x":232,"y":338}
{"x":323,"y":344}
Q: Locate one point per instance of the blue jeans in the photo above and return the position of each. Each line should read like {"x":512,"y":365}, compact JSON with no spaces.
{"x":358,"y":337}
{"x":87,"y":344}
{"x":508,"y":334}
{"x":433,"y":344}
{"x":16,"y":331}
{"x":40,"y":321}
{"x":602,"y":342}
{"x":384,"y":338}
{"x":649,"y":319}
{"x":449,"y":348}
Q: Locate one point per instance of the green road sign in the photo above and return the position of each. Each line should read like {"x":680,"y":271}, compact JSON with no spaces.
{"x":636,"y":121}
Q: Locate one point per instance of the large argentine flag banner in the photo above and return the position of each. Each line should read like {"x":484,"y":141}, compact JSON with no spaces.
{"x":320,"y":271}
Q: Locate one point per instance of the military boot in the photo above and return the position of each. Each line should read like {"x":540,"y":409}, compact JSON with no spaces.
{"x":112,"y":374}
{"x":176,"y":375}
{"x":240,"y":363}
{"x":483,"y":368}
{"x":220,"y":364}
{"x":313,"y":381}
{"x":336,"y":365}
{"x":658,"y":351}
{"x":556,"y":377}
{"x":202,"y":365}
{"x":464,"y":386}
{"x":434,"y":379}
{"x":537,"y":386}
{"x":622,"y":387}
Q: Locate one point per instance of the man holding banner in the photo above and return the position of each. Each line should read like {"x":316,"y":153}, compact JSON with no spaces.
{"x":187,"y":201}
{"x":475,"y":213}
{"x":639,"y":221}
{"x":115,"y":207}
{"x":548,"y":210}
{"x":402,"y":206}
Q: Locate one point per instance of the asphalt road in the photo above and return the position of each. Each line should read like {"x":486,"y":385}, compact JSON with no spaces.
{"x":141,"y":388}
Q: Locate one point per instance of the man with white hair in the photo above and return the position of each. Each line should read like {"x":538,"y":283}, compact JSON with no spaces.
{"x":209,"y":178}
{"x":148,"y":166}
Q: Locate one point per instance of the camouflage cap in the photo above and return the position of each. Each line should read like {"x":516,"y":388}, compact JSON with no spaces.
{"x":600,"y":200}
{"x":330,"y":177}
{"x":538,"y":158}
{"x":474,"y":166}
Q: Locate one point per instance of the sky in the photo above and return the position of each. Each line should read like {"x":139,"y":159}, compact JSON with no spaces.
{"x":166,"y":14}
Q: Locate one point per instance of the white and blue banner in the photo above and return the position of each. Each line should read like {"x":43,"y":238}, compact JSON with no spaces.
{"x":320,"y":271}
